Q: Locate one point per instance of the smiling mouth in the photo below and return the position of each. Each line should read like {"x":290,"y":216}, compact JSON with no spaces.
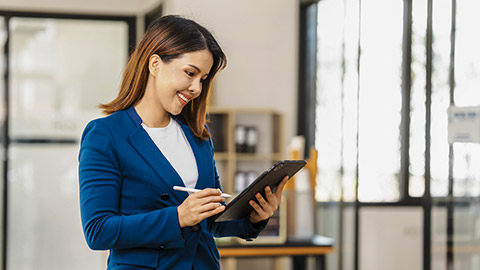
{"x":184,"y":99}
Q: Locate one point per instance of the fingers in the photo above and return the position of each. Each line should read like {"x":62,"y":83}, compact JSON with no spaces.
{"x":263,"y":209}
{"x":269,"y":203}
{"x":210,"y":207}
{"x":211,"y":194}
{"x":208,"y":192}
{"x":200,"y":205}
{"x":269,"y":195}
{"x":258,"y":214}
{"x":256,"y":207}
{"x":218,"y":209}
{"x":209,"y":211}
{"x":190,"y":214}
{"x":262,"y":201}
{"x":266,"y":206}
{"x":190,"y":217}
{"x":280,"y":187}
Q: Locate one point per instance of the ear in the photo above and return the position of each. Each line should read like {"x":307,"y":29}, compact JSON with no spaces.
{"x":154,"y":64}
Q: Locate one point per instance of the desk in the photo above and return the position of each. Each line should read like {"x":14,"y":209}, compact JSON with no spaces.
{"x":298,"y":250}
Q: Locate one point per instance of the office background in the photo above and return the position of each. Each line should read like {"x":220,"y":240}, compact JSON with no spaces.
{"x":367,"y":82}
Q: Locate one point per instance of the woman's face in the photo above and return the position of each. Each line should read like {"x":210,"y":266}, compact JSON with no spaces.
{"x":178,"y":81}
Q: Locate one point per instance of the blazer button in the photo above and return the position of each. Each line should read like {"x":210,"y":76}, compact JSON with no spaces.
{"x":165,"y":196}
{"x":196,"y":228}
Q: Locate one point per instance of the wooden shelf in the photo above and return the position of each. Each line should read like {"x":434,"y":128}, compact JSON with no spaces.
{"x":259,"y":156}
{"x":221,"y":156}
{"x":299,"y":252}
{"x":270,"y":148}
{"x":273,"y":251}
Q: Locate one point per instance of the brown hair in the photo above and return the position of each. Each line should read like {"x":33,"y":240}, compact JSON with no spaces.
{"x":169,"y":37}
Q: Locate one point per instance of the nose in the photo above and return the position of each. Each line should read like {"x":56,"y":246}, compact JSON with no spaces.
{"x":196,"y":88}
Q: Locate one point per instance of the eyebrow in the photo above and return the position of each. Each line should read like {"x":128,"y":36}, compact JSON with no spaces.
{"x":195,"y":67}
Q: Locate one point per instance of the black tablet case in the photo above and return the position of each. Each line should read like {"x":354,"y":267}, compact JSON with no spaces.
{"x":239,"y":207}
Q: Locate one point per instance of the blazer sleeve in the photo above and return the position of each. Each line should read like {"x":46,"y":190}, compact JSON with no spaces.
{"x":100,"y":183}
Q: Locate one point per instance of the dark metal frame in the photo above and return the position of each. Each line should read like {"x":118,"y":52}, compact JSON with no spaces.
{"x":306,"y":120}
{"x":450,"y":198}
{"x":6,"y":140}
{"x":307,"y":73}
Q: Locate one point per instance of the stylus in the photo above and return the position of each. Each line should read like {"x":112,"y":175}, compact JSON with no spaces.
{"x":225,"y":195}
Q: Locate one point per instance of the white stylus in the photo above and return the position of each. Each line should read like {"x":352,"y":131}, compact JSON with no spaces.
{"x":225,"y":195}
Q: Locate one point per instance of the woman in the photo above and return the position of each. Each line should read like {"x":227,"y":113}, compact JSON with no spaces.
{"x":155,"y":138}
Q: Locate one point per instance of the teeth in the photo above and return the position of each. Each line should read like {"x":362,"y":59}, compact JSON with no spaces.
{"x":183,"y":97}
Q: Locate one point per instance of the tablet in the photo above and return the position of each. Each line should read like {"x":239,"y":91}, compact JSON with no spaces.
{"x":239,"y":207}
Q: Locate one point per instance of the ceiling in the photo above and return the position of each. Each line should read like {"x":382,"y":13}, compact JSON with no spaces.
{"x":111,"y":7}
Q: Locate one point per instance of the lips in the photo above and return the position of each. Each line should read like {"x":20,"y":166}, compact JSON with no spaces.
{"x":183,"y":98}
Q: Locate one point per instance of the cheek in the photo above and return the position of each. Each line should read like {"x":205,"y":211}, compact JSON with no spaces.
{"x":160,"y":84}
{"x":165,"y":87}
{"x":179,"y":79}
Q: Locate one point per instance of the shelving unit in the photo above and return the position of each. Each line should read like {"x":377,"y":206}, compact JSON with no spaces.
{"x":270,"y":147}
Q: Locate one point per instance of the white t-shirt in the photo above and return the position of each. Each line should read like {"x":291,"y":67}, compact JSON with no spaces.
{"x":175,"y":147}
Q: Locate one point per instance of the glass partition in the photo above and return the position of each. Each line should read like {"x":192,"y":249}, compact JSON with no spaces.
{"x":380,"y":100}
{"x":466,"y":172}
{"x":417,"y":100}
{"x":439,"y":150}
{"x":60,"y":70}
{"x":329,"y":95}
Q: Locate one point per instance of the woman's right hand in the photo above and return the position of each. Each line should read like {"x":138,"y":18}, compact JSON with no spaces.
{"x":199,"y":206}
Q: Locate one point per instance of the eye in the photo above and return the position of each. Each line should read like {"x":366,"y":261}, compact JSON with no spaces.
{"x":189,"y":73}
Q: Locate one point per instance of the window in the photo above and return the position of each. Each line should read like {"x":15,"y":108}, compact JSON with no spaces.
{"x":380,"y":100}
{"x":361,"y":95}
{"x":439,"y":151}
{"x":387,"y":73}
{"x":466,"y":157}
{"x":364,"y":94}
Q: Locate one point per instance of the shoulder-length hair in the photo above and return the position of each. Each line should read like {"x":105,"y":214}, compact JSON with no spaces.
{"x":169,"y":37}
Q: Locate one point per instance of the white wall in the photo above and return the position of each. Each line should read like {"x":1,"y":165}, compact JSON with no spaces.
{"x":260,"y":39}
{"x":103,"y":7}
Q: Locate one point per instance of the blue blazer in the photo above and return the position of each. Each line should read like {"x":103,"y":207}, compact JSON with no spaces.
{"x":128,"y":204}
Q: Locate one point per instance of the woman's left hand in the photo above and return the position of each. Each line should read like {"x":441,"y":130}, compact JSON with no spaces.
{"x":265,"y":207}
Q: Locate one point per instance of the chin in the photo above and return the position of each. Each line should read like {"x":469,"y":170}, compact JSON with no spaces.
{"x":175,"y":112}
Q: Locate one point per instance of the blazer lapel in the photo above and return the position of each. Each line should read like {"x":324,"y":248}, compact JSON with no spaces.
{"x":146,"y":148}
